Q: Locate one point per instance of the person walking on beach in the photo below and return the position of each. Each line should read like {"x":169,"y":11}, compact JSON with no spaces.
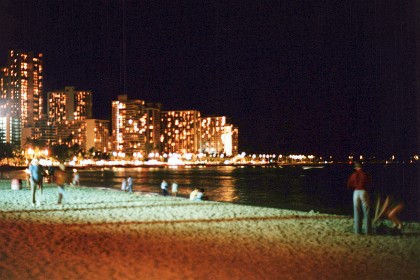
{"x":358,"y":181}
{"x":36,"y":171}
{"x":130,"y":184}
{"x":61,"y":178}
{"x":164,"y":187}
{"x":174,"y":188}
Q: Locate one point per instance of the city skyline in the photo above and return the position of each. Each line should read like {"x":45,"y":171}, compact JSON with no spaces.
{"x":139,"y":128}
{"x":325,"y":79}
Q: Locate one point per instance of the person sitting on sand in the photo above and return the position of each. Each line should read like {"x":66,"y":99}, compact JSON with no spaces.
{"x":200,"y":195}
{"x":193,"y":194}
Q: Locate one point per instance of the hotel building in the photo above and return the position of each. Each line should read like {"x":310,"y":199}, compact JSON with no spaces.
{"x":69,"y":105}
{"x":129,"y":127}
{"x":218,"y":137}
{"x":230,"y":139}
{"x":212,"y":129}
{"x":153,"y":128}
{"x":21,"y":95}
{"x":97,"y":135}
{"x":66,"y":111}
{"x":180,"y":131}
{"x":69,"y":115}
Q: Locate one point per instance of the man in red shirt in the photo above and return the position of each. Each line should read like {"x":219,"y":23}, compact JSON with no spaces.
{"x":358,"y":182}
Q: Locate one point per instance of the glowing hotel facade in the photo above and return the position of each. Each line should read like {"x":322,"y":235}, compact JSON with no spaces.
{"x":138,"y":128}
{"x":69,"y":115}
{"x":180,"y":131}
{"x":21,"y":83}
{"x":129,"y":120}
{"x":218,"y":136}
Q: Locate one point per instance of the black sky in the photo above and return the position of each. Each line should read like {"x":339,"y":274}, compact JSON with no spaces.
{"x":321,"y":77}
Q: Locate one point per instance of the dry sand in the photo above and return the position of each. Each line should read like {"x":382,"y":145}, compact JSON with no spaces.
{"x":109,"y":234}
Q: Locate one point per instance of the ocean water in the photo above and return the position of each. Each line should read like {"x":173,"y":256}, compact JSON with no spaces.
{"x":305,"y":188}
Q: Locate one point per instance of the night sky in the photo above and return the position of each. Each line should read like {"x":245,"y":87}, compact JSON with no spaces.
{"x":315,"y":77}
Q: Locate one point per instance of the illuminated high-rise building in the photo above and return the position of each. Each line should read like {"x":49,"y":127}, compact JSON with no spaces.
{"x":180,"y":131}
{"x":230,"y":139}
{"x":4,"y":108}
{"x":97,"y":135}
{"x":66,"y":111}
{"x":129,"y":121}
{"x":153,"y":128}
{"x":87,"y":133}
{"x":22,"y":87}
{"x":217,"y":136}
{"x":69,"y":105}
{"x":212,"y":129}
{"x":71,"y":133}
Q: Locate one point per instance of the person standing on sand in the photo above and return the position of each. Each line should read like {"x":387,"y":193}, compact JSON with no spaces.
{"x":164,"y":187}
{"x":124,"y":185}
{"x":174,"y":188}
{"x":61,"y":178}
{"x":359,"y":181}
{"x":130,"y":184}
{"x":76,"y":178}
{"x":36,"y":171}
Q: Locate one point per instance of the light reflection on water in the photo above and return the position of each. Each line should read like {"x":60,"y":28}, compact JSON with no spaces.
{"x":290,"y":187}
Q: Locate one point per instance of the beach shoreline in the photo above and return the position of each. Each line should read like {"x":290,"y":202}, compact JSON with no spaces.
{"x":102,"y":233}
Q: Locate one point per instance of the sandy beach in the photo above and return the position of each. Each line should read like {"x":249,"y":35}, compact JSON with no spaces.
{"x":107,"y":234}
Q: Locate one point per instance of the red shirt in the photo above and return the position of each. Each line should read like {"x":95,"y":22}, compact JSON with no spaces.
{"x":359,"y":180}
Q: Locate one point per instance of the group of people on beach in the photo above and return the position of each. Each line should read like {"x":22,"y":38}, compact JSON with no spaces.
{"x":360,"y":183}
{"x":35,"y":180}
{"x":196,"y":194}
{"x":127,"y":184}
